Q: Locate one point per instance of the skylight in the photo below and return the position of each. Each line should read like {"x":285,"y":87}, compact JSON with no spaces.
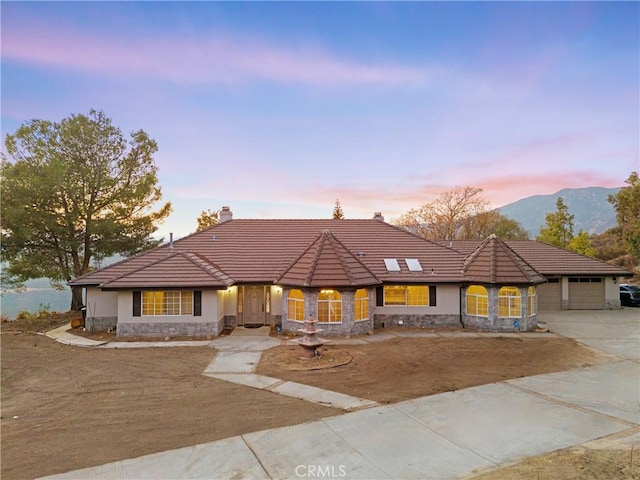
{"x":413,"y":264}
{"x":392,"y":265}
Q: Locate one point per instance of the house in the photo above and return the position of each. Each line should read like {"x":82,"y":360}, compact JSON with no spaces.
{"x":350,"y":275}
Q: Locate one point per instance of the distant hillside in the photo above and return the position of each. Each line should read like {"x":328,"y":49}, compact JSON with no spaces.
{"x":592,"y":212}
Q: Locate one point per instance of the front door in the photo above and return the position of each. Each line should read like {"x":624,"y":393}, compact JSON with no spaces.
{"x":254,"y":311}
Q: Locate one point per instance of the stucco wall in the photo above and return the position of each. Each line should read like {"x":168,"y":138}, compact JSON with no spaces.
{"x":612,"y":293}
{"x":102,"y":310}
{"x":276,"y":302}
{"x":564,"y":281}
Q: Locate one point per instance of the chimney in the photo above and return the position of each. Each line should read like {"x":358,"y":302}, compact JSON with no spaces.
{"x":171,"y":240}
{"x":225,"y":214}
{"x":378,"y":216}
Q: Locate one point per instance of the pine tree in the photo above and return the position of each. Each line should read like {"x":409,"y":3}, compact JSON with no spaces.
{"x":558,"y":229}
{"x":338,"y":214}
{"x":74,"y":192}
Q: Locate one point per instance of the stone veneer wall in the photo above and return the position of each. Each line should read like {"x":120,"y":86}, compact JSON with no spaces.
{"x":230,"y":321}
{"x":493,"y":322}
{"x":100,"y":324}
{"x":501,"y":324}
{"x":332,"y":329}
{"x":416,"y":320}
{"x":347,"y":327}
{"x":150,"y":329}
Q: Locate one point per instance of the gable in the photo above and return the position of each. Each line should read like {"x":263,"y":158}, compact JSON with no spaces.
{"x":174,"y":270}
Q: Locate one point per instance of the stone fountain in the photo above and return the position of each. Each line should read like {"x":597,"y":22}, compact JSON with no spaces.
{"x":309,"y":344}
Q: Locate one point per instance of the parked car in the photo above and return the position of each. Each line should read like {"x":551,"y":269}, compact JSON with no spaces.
{"x":629,"y":295}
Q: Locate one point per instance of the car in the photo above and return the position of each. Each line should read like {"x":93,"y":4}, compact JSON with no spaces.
{"x":629,"y":295}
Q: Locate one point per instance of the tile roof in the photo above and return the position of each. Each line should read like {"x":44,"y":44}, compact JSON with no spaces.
{"x":353,"y":252}
{"x":262,"y":251}
{"x":174,"y":269}
{"x":549,"y":260}
{"x":327,"y":263}
{"x":493,"y":262}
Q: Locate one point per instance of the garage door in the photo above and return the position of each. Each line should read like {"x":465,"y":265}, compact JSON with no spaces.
{"x":550,"y":295}
{"x":586,"y":293}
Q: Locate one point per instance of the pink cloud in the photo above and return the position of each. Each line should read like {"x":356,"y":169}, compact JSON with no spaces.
{"x":195,"y":60}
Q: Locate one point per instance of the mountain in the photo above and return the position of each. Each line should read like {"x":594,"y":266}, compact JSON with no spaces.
{"x":592,"y":212}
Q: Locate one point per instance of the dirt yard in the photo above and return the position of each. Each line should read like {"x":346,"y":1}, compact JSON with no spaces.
{"x":65,"y":408}
{"x":404,"y":368}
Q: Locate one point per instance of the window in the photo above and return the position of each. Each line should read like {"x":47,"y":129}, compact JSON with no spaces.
{"x":532,"y":301}
{"x":413,"y":264}
{"x":411,"y":295}
{"x":361,"y":305}
{"x":329,"y":306}
{"x":295,"y":305}
{"x":477,"y":301}
{"x":585,"y":280}
{"x":392,"y":264}
{"x":509,"y":302}
{"x":156,"y":303}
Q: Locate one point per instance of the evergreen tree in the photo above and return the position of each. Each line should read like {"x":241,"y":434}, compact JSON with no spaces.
{"x":338,"y":214}
{"x":73,"y":192}
{"x":558,"y":229}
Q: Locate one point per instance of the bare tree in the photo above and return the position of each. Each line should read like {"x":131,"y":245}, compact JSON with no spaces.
{"x":444,"y":218}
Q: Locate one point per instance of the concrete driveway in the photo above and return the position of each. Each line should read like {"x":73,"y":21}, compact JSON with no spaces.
{"x":445,"y":436}
{"x":616,"y":332}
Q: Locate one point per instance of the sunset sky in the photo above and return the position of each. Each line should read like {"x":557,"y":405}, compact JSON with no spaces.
{"x":278,"y":109}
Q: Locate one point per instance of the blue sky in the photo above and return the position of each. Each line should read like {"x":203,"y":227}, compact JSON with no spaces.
{"x":278,"y":109}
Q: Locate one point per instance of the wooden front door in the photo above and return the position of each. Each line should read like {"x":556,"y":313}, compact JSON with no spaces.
{"x":254,"y":305}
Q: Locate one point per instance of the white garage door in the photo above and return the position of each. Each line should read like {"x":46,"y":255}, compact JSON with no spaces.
{"x":550,"y":295}
{"x":586,"y":293}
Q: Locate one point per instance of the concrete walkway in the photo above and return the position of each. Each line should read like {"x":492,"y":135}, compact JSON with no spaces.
{"x":239,"y":355}
{"x":61,"y":335}
{"x":451,"y":435}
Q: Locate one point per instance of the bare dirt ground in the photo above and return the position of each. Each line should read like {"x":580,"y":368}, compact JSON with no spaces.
{"x":65,"y":408}
{"x":575,"y":463}
{"x":404,"y":368}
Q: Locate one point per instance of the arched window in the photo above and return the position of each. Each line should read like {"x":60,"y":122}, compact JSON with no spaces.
{"x":329,"y":306}
{"x":477,"y":301}
{"x":509,"y":302}
{"x":295,"y":305}
{"x":361,"y":305}
{"x":532,"y":301}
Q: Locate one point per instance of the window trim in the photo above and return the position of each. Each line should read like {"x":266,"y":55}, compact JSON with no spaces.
{"x":330,"y":302}
{"x":476,"y":297}
{"x":364,"y":305}
{"x":532,"y":301}
{"x":509,"y":300}
{"x":180,"y":302}
{"x":428,"y":302}
{"x":295,"y":301}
